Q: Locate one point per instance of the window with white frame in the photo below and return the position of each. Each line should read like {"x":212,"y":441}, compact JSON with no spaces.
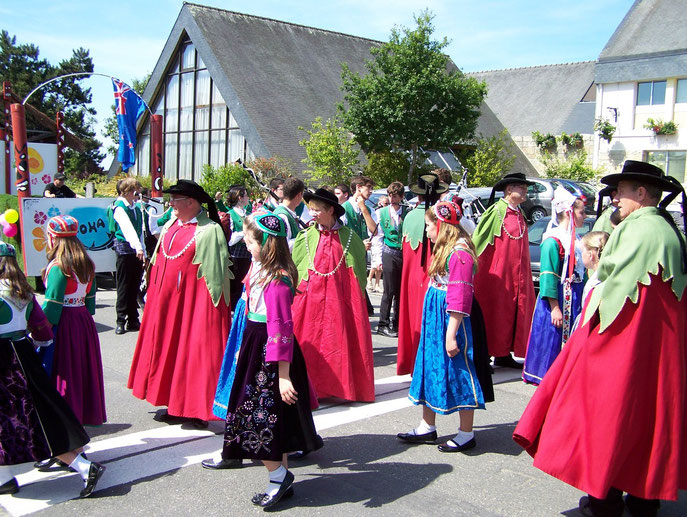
{"x":672,"y":162}
{"x":681,"y":91}
{"x":651,"y":92}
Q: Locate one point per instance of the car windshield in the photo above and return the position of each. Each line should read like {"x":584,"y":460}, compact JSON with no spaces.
{"x":536,"y":231}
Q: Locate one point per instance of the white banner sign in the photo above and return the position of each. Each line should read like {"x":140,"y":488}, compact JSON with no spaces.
{"x":42,"y":167}
{"x":93,"y":230}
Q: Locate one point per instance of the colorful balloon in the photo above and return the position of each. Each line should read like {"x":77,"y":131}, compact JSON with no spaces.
{"x":11,"y":215}
{"x":10,"y":230}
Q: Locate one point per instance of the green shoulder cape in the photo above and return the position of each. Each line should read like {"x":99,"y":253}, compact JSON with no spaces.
{"x":489,"y":225}
{"x":414,"y":226}
{"x":212,"y":256}
{"x":355,"y":256}
{"x":639,"y":246}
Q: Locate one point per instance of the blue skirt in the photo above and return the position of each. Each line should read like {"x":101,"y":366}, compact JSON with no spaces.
{"x":545,"y":340}
{"x":231,"y":355}
{"x":442,"y":383}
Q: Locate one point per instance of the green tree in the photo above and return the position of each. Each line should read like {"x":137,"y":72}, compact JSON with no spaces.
{"x":220,"y":179}
{"x":268,"y":168}
{"x":573,"y":166}
{"x":332,"y":156}
{"x":492,"y":158}
{"x":22,"y":66}
{"x":111,"y":129}
{"x":411,"y":97}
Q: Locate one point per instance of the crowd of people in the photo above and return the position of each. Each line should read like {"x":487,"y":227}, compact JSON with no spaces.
{"x":254,"y":313}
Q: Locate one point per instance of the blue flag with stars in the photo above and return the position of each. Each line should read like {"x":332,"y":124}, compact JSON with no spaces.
{"x":128,"y":107}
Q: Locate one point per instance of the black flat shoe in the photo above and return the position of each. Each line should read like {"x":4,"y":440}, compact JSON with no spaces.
{"x":430,"y":437}
{"x":46,"y":465}
{"x":11,"y":487}
{"x":94,"y":474}
{"x":133,"y":327}
{"x":386,"y":331}
{"x":507,"y":361}
{"x":222,"y":464}
{"x":270,"y":500}
{"x":451,"y":446}
{"x":259,"y":497}
{"x":119,"y":329}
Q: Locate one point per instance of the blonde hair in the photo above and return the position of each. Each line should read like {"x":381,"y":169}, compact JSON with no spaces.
{"x":70,"y":255}
{"x":595,"y":241}
{"x":275,"y":256}
{"x":447,"y":239}
{"x":128,"y":184}
{"x":11,"y":273}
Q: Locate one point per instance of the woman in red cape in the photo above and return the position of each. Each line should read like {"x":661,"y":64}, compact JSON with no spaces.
{"x":611,"y":414}
{"x":185,"y":323}
{"x":329,"y":312}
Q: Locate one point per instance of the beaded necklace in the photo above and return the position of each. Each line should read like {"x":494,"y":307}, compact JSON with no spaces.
{"x":343,"y":255}
{"x":523,"y":228}
{"x":183,"y":250}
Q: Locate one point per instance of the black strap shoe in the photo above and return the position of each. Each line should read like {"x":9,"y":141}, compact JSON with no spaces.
{"x":430,"y":437}
{"x":259,"y":497}
{"x":222,"y":464}
{"x":270,"y":500}
{"x":11,"y":487}
{"x":451,"y":446}
{"x":94,"y":474}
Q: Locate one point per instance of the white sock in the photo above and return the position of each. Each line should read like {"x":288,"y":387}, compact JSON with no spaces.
{"x":81,"y":465}
{"x":424,"y":428}
{"x":6,"y":473}
{"x":463,"y":437}
{"x":276,"y":477}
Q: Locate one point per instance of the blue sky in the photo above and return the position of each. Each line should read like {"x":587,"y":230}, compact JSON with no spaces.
{"x":126,"y":37}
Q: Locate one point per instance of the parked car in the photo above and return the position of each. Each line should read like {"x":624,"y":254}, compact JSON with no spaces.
{"x":541,"y":193}
{"x":535,"y":233}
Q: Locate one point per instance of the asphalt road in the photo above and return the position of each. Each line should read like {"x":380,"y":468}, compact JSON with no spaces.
{"x":154,"y":468}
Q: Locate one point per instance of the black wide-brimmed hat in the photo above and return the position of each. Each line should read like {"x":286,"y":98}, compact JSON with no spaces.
{"x":191,"y":189}
{"x":428,"y":184}
{"x":604,"y":192}
{"x":514,"y":178}
{"x":643,"y":172}
{"x":327,"y":197}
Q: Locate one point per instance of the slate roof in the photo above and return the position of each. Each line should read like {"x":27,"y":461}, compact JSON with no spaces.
{"x":649,"y":27}
{"x":275,"y":76}
{"x":541,"y":98}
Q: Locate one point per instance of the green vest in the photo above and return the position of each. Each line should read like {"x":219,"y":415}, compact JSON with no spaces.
{"x":293,"y":225}
{"x":355,"y":221}
{"x":237,"y":220}
{"x":165,"y":217}
{"x":392,"y":234}
{"x":135,"y":217}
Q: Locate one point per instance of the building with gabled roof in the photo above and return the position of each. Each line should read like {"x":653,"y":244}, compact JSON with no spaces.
{"x":235,"y":86}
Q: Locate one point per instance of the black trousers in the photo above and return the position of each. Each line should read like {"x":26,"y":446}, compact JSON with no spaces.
{"x":239,"y":268}
{"x":612,"y":505}
{"x":129,"y":273}
{"x":392,"y":265}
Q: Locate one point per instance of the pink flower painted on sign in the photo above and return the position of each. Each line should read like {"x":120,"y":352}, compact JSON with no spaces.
{"x":40,"y":218}
{"x":46,"y":178}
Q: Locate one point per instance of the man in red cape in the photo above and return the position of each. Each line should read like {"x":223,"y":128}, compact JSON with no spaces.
{"x":330,"y":319}
{"x":503,"y":283}
{"x":414,"y":279}
{"x":611,"y":414}
{"x":186,"y":322}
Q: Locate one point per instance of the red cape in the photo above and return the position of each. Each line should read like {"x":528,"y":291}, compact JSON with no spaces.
{"x":332,"y":327}
{"x":612,"y":410}
{"x":182,"y":338}
{"x":505,"y":292}
{"x":414,"y":282}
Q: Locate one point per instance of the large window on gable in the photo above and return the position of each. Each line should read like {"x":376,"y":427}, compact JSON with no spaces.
{"x":198,"y":128}
{"x":651,"y":92}
{"x":672,"y":162}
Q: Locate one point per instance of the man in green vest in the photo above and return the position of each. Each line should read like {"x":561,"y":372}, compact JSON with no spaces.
{"x":293,"y":196}
{"x":358,"y":217}
{"x":126,"y":222}
{"x":391,"y":227}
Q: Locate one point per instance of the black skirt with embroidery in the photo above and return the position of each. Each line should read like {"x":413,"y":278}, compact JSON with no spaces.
{"x":259,"y":425}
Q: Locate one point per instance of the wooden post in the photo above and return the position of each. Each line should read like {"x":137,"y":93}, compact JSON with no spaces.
{"x":21,"y":152}
{"x":156,"y":170}
{"x":6,"y":101}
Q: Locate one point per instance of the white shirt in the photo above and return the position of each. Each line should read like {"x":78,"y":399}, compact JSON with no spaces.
{"x":128,"y":229}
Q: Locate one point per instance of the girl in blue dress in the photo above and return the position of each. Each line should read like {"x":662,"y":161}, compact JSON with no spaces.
{"x":444,"y":377}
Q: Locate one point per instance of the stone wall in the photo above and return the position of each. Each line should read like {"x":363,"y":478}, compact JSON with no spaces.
{"x":529,"y":148}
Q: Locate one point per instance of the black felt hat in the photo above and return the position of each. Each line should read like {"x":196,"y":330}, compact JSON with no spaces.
{"x":643,"y":172}
{"x":191,"y":189}
{"x":428,"y":184}
{"x":604,"y":192}
{"x":514,"y":178}
{"x":326,"y":197}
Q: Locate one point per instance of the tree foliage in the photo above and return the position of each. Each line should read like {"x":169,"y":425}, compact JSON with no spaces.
{"x":411,"y":96}
{"x":221,"y":179}
{"x":332,"y":156}
{"x":111,"y":129}
{"x":573,"y":166}
{"x":492,"y":159}
{"x":269,"y":168}
{"x":386,"y":167}
{"x":21,"y":65}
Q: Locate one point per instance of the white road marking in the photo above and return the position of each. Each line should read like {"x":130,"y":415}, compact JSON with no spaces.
{"x":148,"y":453}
